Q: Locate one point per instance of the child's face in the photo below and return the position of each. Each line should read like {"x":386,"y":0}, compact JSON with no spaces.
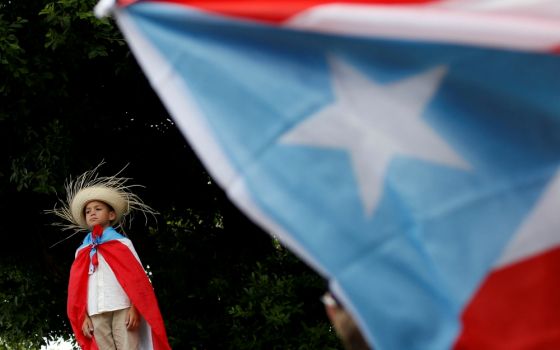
{"x":99,"y":213}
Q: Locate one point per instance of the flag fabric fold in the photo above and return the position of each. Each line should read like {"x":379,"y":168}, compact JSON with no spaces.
{"x":412,"y":163}
{"x":131,"y":276}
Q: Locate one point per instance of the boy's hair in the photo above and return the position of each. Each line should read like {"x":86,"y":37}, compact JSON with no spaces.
{"x":114,"y":191}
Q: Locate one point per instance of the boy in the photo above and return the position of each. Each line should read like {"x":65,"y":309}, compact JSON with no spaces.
{"x":111,"y":303}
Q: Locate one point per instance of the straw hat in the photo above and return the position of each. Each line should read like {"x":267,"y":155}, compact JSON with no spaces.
{"x":112,"y":190}
{"x":116,"y":199}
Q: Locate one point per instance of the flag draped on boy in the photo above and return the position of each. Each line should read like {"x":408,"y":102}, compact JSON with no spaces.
{"x":408,"y":151}
{"x":130,"y":274}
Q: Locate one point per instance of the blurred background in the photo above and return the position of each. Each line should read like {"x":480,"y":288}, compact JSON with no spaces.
{"x":71,"y":96}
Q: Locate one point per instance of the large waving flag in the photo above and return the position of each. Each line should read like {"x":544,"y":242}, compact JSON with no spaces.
{"x":408,"y":151}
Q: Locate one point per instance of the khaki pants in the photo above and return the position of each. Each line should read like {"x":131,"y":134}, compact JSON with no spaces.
{"x":110,"y":331}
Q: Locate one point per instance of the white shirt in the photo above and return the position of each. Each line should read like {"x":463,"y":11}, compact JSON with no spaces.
{"x":104,"y":291}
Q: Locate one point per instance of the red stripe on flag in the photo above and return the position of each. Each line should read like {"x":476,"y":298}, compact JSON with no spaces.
{"x":77,"y":298}
{"x":275,"y":11}
{"x":516,"y":308}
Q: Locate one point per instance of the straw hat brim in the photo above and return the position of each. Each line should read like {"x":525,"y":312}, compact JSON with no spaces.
{"x":116,"y":199}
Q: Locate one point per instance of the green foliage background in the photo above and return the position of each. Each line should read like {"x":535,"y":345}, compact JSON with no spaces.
{"x":71,"y":95}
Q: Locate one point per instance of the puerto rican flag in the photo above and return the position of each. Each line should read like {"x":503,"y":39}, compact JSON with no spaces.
{"x":120,"y":256}
{"x":408,"y":151}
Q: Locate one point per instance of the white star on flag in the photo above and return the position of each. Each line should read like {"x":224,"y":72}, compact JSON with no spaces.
{"x":375,"y":122}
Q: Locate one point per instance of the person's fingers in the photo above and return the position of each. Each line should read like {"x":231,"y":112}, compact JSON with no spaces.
{"x":132,"y":319}
{"x":87,"y":328}
{"x":132,"y":324}
{"x":332,"y":312}
{"x":87,"y":331}
{"x":328,"y":299}
{"x":129,"y":320}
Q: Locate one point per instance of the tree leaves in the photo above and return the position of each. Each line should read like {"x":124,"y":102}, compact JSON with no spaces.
{"x":70,"y":96}
{"x":22,"y":319}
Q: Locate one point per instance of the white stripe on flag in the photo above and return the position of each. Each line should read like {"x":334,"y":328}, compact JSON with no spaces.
{"x":432,"y":23}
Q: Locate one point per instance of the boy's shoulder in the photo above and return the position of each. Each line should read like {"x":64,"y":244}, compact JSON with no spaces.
{"x":109,"y":234}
